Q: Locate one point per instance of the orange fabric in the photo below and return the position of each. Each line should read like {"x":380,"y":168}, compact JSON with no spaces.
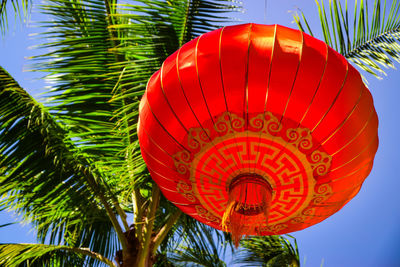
{"x":264,"y":100}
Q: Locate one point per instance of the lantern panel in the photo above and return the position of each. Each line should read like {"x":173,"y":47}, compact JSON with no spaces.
{"x":342,"y":106}
{"x":284,"y":67}
{"x":162,"y":112}
{"x":186,"y":67}
{"x":308,"y":79}
{"x":259,"y":66}
{"x":353,"y":125}
{"x":174,"y":94}
{"x":234,"y":65}
{"x":331,"y":84}
{"x":208,"y":64}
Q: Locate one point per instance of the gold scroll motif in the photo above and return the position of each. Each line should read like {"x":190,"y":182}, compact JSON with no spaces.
{"x":186,"y":190}
{"x":287,"y":153}
{"x":205,"y":214}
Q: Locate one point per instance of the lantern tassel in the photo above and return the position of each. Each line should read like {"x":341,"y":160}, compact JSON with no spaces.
{"x":247,"y":208}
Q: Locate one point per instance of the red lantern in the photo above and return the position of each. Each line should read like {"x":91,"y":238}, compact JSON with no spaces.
{"x":258,"y":130}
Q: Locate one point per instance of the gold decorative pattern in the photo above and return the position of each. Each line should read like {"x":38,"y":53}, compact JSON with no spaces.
{"x":285,"y":155}
{"x":323,"y":192}
{"x":197,"y":138}
{"x":182,"y":160}
{"x":186,"y":190}
{"x":300,"y":138}
{"x":320,"y":162}
{"x":203,"y":213}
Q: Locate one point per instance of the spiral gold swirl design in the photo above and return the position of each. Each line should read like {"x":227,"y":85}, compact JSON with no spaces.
{"x":308,"y":212}
{"x":257,"y":122}
{"x":316,"y":156}
{"x":305,"y":143}
{"x":237,"y":123}
{"x":182,"y":161}
{"x":293,"y":135}
{"x":186,"y":190}
{"x":272,"y":124}
{"x":184,"y":187}
{"x":182,"y":168}
{"x":277,"y":227}
{"x":297,"y":220}
{"x":193,"y":143}
{"x":319,"y":200}
{"x":203,"y":213}
{"x":320,"y":162}
{"x":198,"y":136}
{"x":323,"y":189}
{"x":221,"y":126}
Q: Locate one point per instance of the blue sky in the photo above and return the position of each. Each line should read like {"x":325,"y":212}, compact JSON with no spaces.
{"x":364,"y":233}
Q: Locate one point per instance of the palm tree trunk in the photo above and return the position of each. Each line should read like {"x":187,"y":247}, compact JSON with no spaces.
{"x":128,"y":256}
{"x":130,"y":259}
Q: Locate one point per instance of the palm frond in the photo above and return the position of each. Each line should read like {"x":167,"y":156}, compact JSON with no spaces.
{"x":370,"y":41}
{"x":42,"y":178}
{"x":197,"y":245}
{"x":78,"y":62}
{"x":270,"y":251}
{"x":145,"y":34}
{"x":7,"y":224}
{"x":20,"y":6}
{"x":47,"y":255}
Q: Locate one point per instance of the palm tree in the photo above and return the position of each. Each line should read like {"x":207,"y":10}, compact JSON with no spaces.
{"x":73,"y":168}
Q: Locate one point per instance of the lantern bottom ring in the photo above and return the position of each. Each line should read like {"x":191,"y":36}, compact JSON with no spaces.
{"x":250,"y":192}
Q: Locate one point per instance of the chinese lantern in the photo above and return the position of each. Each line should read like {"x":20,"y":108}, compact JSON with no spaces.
{"x":258,"y":130}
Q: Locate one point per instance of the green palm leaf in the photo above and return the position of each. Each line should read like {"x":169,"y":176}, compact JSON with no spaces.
{"x":79,"y":66}
{"x":269,"y":251}
{"x":196,"y":244}
{"x":47,"y":255}
{"x":17,"y":6}
{"x":43,"y":180}
{"x":369,"y":41}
